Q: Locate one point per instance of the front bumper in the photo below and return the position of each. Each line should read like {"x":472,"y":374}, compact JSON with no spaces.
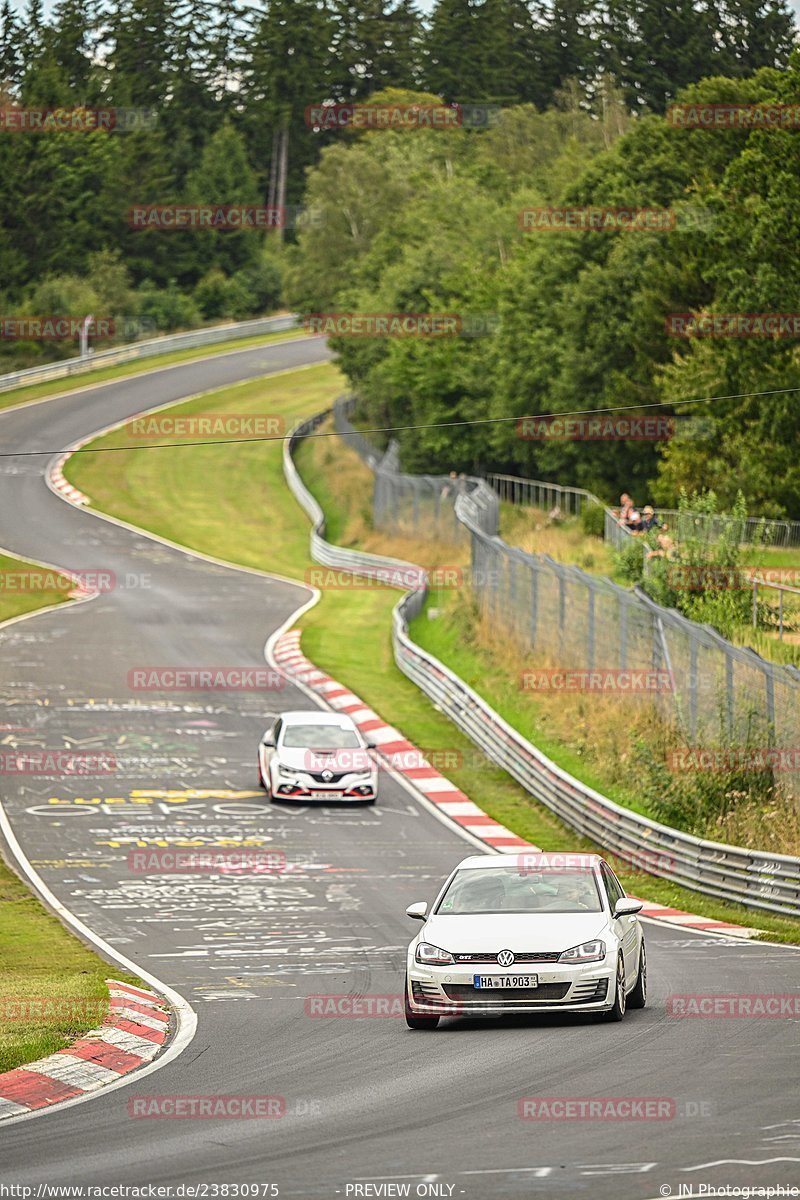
{"x":450,"y":990}
{"x":321,"y":793}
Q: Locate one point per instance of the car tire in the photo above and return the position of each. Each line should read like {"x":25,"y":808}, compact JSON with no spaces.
{"x":638,"y":997}
{"x":418,"y":1020}
{"x":264,"y":783}
{"x":617,"y":1010}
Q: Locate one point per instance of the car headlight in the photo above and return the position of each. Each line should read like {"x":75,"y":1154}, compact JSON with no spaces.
{"x":588,"y":952}
{"x":432,"y":956}
{"x":287,"y":771}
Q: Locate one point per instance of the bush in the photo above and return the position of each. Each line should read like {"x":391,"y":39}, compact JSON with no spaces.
{"x":260,"y":285}
{"x":593,"y":519}
{"x":167,"y":308}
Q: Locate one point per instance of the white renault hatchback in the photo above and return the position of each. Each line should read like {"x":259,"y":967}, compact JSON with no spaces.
{"x":316,"y":756}
{"x":526,"y":933}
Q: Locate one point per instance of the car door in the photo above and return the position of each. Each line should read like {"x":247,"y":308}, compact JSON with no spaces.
{"x":627,"y":927}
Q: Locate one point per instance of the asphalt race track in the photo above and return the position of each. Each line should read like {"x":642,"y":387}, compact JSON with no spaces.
{"x":366,"y":1100}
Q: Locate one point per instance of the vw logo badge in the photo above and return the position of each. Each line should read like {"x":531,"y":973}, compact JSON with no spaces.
{"x":505,"y":958}
{"x":327,"y":776}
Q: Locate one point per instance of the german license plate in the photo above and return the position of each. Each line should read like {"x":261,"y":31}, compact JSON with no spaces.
{"x":324,"y":795}
{"x":506,"y":981}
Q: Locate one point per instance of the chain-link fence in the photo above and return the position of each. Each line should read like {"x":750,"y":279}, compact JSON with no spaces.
{"x":418,"y":504}
{"x":716,"y":693}
{"x":761,"y":880}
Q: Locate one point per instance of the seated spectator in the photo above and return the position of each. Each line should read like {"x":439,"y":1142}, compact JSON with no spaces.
{"x":665,"y":547}
{"x":650,"y":520}
{"x":633,"y":521}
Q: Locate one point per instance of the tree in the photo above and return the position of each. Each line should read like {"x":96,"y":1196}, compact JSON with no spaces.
{"x":453,"y":54}
{"x":10,"y":49}
{"x":756,"y":33}
{"x":376,"y":46}
{"x":656,"y":47}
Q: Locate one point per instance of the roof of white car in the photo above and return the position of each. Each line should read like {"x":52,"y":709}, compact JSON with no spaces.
{"x":531,"y":860}
{"x":315,"y":716}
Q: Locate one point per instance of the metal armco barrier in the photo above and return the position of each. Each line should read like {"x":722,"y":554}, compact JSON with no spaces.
{"x":758,"y":880}
{"x":153,"y":346}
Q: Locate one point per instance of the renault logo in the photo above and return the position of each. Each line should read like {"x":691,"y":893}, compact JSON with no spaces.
{"x":327,"y":776}
{"x":505,"y":958}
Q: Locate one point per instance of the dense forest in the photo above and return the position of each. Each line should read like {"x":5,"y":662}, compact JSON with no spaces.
{"x":420,"y":220}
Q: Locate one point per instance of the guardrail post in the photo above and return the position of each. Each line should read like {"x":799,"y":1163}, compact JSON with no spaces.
{"x":624,"y":607}
{"x":590,"y":627}
{"x":770,"y":690}
{"x":534,"y":575}
{"x":693,"y":680}
{"x":729,"y":703}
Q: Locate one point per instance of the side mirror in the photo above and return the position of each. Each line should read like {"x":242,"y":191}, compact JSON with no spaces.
{"x":268,"y":740}
{"x":418,"y":911}
{"x":626,"y":907}
{"x":371,"y":745}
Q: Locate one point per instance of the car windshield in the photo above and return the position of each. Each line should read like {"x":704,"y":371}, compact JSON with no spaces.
{"x":319,"y":737}
{"x":509,"y":890}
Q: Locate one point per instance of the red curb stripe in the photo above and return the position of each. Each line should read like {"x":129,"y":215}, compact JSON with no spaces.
{"x":134,"y":991}
{"x":143,"y":1031}
{"x":104,"y":1054}
{"x":147,"y":1010}
{"x":33,"y":1089}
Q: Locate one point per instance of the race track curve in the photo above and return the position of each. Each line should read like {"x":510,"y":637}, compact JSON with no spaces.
{"x":367,"y":1101}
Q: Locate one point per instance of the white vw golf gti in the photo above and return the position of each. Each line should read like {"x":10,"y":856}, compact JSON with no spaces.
{"x":316,"y":756}
{"x":526,"y":933}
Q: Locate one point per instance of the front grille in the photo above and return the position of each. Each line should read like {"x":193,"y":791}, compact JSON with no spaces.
{"x":336,"y":777}
{"x":533,"y":956}
{"x":546,"y":993}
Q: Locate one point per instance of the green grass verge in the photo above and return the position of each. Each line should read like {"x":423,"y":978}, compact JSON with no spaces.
{"x":55,"y":387}
{"x":23,"y":587}
{"x":249,"y":517}
{"x":52,"y":987}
